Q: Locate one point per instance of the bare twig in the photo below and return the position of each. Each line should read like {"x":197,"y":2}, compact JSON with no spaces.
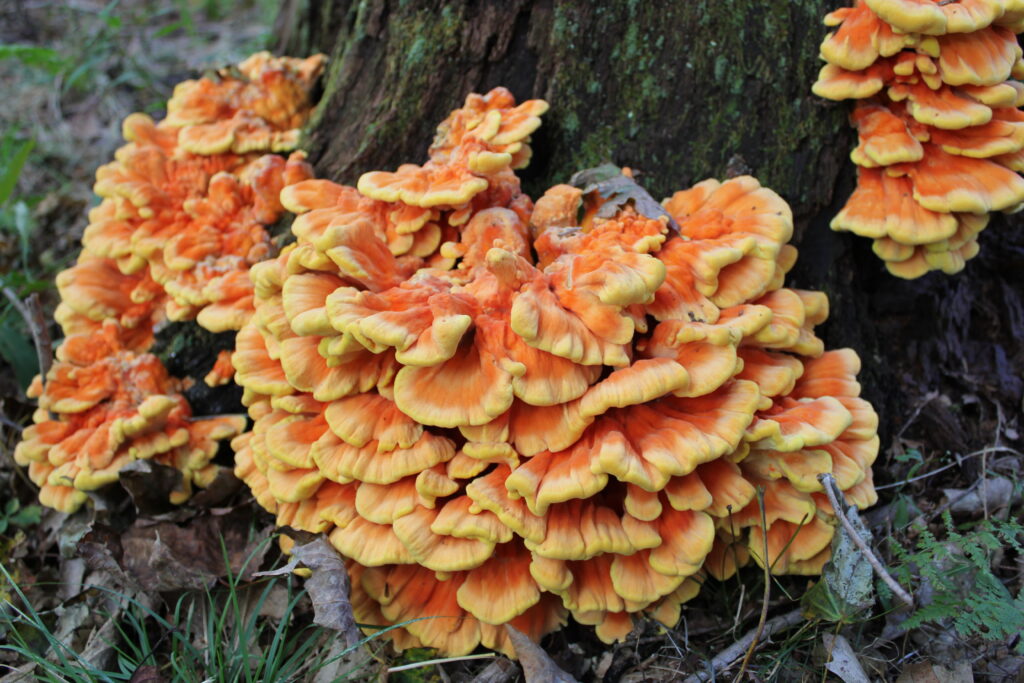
{"x":959,"y":461}
{"x":9,"y":423}
{"x":984,"y":459}
{"x":32,"y":313}
{"x":431,"y":662}
{"x":831,"y":489}
{"x":923,"y":519}
{"x":501,"y":670}
{"x":729,"y":655}
{"x":767,"y":590}
{"x":928,"y":398}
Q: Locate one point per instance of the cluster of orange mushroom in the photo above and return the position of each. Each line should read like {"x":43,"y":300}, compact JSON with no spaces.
{"x":105,"y":406}
{"x":506,"y":413}
{"x":941,"y":138}
{"x":184,"y":213}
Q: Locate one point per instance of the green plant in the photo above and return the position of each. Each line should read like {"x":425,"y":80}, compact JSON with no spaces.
{"x":963,"y":587}
{"x":16,"y":218}
{"x":14,"y":515}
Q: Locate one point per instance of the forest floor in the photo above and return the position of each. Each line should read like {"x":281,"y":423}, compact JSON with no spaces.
{"x":129,"y":589}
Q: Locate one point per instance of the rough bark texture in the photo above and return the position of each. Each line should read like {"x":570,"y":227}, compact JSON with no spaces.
{"x":681,"y":92}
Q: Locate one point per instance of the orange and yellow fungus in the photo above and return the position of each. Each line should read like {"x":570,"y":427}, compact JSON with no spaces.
{"x":465,"y":391}
{"x":258,"y":106}
{"x":104,"y":406}
{"x":183,"y":217}
{"x":940,"y":135}
{"x":192,"y":224}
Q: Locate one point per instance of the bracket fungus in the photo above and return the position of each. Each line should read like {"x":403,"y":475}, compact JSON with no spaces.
{"x":103,"y":406}
{"x":940,"y":135}
{"x":466,"y":391}
{"x":260,"y":105}
{"x":191,"y":224}
{"x":183,"y":217}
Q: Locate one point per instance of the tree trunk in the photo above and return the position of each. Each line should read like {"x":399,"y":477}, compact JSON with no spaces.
{"x":680,"y":93}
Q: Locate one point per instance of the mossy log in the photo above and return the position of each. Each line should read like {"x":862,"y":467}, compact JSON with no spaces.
{"x":681,"y":92}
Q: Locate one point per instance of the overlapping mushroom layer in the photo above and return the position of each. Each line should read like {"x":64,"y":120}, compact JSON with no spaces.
{"x":258,"y":106}
{"x":941,"y":138}
{"x":176,"y":233}
{"x":178,"y":228}
{"x":104,"y":406}
{"x":503,"y":413}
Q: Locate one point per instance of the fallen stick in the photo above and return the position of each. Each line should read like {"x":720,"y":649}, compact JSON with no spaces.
{"x":32,"y":313}
{"x":829,"y":483}
{"x":737,"y":649}
{"x":767,"y":590}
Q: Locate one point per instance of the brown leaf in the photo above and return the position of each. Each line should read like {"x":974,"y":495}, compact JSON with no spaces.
{"x":328,"y":588}
{"x":150,"y":485}
{"x":537,"y":665}
{"x":926,"y":672}
{"x":165,"y":556}
{"x":843,"y":660}
{"x":101,"y":549}
{"x":220,"y":490}
{"x":992,"y":494}
{"x":609,"y":182}
{"x":146,"y":674}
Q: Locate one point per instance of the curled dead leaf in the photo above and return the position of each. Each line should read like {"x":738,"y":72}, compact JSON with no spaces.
{"x":328,"y":588}
{"x":537,"y":665}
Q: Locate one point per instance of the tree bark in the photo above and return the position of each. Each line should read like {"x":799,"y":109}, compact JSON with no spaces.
{"x":681,"y":92}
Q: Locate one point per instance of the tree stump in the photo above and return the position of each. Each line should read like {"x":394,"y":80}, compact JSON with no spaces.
{"x":680,"y":93}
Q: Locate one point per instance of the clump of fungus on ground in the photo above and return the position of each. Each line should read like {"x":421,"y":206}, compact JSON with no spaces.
{"x":183,"y":217}
{"x":103,"y":406}
{"x":940,"y":135}
{"x":506,"y":413}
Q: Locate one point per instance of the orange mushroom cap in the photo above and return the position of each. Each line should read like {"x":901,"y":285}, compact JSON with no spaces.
{"x":196,"y":222}
{"x":258,"y":107}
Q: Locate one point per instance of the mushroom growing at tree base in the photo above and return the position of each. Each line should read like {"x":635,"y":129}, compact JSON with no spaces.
{"x":575,"y":401}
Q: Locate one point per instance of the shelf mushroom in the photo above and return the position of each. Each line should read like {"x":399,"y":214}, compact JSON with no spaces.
{"x":103,"y":406}
{"x":576,"y":401}
{"x":185,"y":208}
{"x":940,"y":135}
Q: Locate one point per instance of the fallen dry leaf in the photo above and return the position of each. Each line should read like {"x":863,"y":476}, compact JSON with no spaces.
{"x":843,"y":660}
{"x":165,"y":556}
{"x":146,"y":674}
{"x":993,"y":494}
{"x":616,"y":189}
{"x":220,"y":491}
{"x":328,"y":588}
{"x":150,"y":484}
{"x":926,"y":672}
{"x":537,"y":665}
{"x":101,"y":549}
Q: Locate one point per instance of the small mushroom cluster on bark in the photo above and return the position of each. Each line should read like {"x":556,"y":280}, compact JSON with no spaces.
{"x":940,"y":135}
{"x":506,"y":413}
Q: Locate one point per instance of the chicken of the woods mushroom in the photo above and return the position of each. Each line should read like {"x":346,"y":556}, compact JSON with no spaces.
{"x":184,"y":215}
{"x":506,"y":413}
{"x":940,"y":135}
